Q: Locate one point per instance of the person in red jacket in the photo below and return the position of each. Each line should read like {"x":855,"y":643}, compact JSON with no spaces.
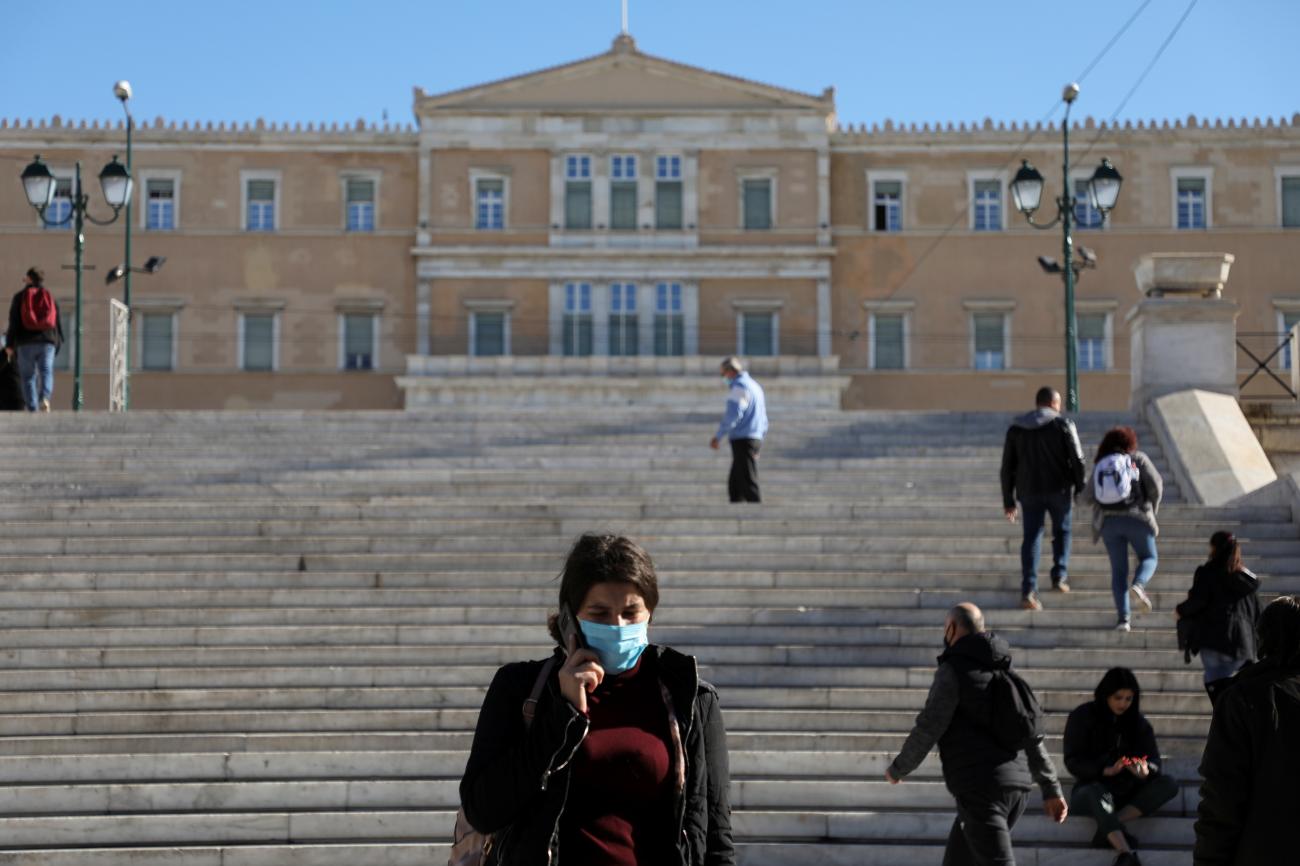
{"x":34,"y":337}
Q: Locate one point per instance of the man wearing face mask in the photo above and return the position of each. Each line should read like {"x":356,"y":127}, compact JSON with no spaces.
{"x":990,"y":782}
{"x":743,"y":425}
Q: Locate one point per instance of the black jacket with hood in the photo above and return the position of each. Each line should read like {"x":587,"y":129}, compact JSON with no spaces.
{"x":1250,"y":797}
{"x":1041,"y":455}
{"x":957,"y":715}
{"x":517,"y":778}
{"x":1225,"y":608}
{"x":1095,"y":738}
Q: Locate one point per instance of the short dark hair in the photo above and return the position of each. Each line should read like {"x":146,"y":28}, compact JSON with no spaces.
{"x":1279,"y":631}
{"x":596,"y":558}
{"x":968,"y":617}
{"x":37,"y":276}
{"x":1045,"y":396}
{"x":1118,"y":440}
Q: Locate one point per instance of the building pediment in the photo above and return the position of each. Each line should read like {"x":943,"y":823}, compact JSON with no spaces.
{"x":623,"y":80}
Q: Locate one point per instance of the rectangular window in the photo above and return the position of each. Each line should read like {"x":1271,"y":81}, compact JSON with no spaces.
{"x":1091,"y":334}
{"x":160,"y":204}
{"x":1287,"y":320}
{"x":577,"y":341}
{"x":489,"y":204}
{"x":1291,"y":202}
{"x":1085,"y":215}
{"x":887,"y":350}
{"x":623,"y":332}
{"x":887,"y":199}
{"x":1191,"y":203}
{"x":358,"y":341}
{"x":757,"y":203}
{"x":987,"y":206}
{"x":990,"y":341}
{"x":577,"y":192}
{"x":488,"y":332}
{"x":157,"y":341}
{"x":60,"y":206}
{"x":758,"y":334}
{"x":261,"y":206}
{"x":670,"y":322}
{"x":361,"y":204}
{"x":258,"y":341}
{"x":668,"y":193}
{"x":622,"y":192}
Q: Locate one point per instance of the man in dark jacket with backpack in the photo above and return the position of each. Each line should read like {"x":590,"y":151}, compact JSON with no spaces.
{"x":989,"y":730}
{"x":1043,"y":468}
{"x":35,"y":335}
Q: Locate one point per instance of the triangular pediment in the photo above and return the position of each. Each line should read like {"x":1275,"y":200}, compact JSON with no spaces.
{"x":623,"y":80}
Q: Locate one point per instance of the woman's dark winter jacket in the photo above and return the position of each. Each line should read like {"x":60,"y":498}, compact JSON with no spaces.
{"x":1145,"y":505}
{"x":1250,"y":797}
{"x":517,"y":777}
{"x":1225,"y":608}
{"x":1095,"y":738}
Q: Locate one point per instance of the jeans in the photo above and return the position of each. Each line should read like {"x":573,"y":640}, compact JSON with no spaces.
{"x":1219,"y":666}
{"x":1097,"y":802}
{"x":1034,"y":510}
{"x":36,"y":370}
{"x":1118,"y":533}
{"x":981,"y":834}
{"x":742,"y":483}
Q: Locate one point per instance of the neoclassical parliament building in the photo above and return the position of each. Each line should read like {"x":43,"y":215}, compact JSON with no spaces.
{"x":628,"y":215}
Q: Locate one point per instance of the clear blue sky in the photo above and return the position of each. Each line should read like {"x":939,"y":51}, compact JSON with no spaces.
{"x":909,"y":60}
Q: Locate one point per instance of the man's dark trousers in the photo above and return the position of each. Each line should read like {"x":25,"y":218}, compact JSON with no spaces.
{"x":1034,"y":510}
{"x":981,"y":835}
{"x":742,"y":483}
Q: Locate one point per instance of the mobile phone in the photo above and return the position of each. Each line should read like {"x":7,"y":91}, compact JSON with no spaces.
{"x":567,"y":624}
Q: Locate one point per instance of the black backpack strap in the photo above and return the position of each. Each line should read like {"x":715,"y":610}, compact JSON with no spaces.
{"x":530,"y":705}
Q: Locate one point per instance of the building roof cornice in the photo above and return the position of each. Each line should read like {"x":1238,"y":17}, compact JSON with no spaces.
{"x":161,"y":131}
{"x":1242,"y":129}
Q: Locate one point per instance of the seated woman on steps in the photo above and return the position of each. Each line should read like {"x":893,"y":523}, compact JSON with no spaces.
{"x":1111,"y":750}
{"x":625,"y":760}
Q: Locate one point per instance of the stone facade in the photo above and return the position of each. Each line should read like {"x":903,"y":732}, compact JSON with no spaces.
{"x":514,"y":216}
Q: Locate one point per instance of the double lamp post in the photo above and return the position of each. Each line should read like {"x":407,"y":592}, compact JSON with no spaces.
{"x":1103,"y":192}
{"x":39,"y":185}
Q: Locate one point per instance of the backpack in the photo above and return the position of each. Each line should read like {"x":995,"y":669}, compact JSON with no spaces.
{"x":1017,"y":717}
{"x":469,"y":847}
{"x":38,"y":310}
{"x":1114,"y":480}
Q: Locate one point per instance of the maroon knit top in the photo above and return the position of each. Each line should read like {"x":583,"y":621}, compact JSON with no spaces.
{"x":620,"y":805}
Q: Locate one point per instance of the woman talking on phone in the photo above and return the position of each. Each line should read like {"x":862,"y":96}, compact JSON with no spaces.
{"x":625,"y":759}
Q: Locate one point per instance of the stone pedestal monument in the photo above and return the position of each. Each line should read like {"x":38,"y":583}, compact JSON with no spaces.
{"x":1183,"y":333}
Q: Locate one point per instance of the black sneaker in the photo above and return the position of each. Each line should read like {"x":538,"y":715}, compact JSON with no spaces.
{"x":1099,"y":840}
{"x":1128,"y":858}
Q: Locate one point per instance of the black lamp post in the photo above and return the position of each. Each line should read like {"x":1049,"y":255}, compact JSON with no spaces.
{"x":1103,"y":192}
{"x":38,"y":185}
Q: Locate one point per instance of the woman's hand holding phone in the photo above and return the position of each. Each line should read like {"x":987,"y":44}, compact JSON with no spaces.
{"x":580,"y":674}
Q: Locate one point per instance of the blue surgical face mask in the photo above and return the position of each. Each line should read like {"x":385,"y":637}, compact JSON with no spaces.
{"x":619,"y":646}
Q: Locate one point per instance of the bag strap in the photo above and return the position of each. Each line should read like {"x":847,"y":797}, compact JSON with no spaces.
{"x":530,"y":705}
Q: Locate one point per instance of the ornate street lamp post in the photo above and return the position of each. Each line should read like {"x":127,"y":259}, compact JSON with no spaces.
{"x":1103,"y":192}
{"x":38,"y":185}
{"x":122,"y":90}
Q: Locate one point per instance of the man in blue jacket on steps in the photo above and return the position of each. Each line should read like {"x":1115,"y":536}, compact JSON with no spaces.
{"x":743,"y":424}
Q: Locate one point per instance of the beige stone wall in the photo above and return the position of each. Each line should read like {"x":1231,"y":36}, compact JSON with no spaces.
{"x":528,"y":178}
{"x":720,"y":172}
{"x":452,"y":301}
{"x":797,"y":299}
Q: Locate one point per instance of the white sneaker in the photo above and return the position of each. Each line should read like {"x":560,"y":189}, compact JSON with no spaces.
{"x":1141,"y":595}
{"x":1124,"y":627}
